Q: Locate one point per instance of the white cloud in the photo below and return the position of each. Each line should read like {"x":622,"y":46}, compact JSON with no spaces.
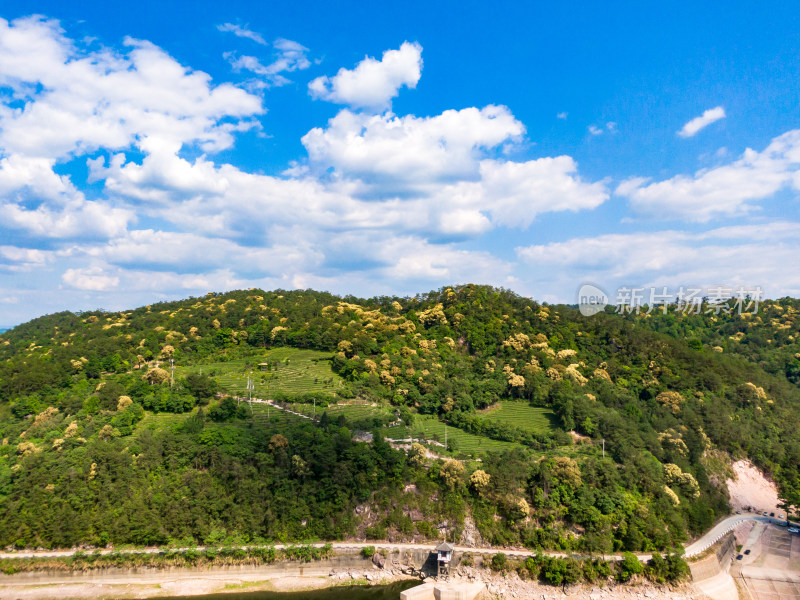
{"x":414,"y":150}
{"x":411,"y":260}
{"x":35,"y":175}
{"x":92,"y":278}
{"x":707,"y":118}
{"x":515,"y":193}
{"x":373,"y":83}
{"x":562,"y":115}
{"x":13,"y":258}
{"x":78,"y":219}
{"x":161,"y":178}
{"x":289,"y":56}
{"x":392,"y":175}
{"x":595,"y":130}
{"x":188,"y":253}
{"x":243,"y":32}
{"x":746,"y":255}
{"x":382,"y":201}
{"x":91,"y":100}
{"x":76,"y":102}
{"x":727,"y":190}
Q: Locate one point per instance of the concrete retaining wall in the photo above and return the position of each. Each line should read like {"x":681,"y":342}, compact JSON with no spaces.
{"x":717,"y":562}
{"x":345,"y":560}
{"x":350,"y":558}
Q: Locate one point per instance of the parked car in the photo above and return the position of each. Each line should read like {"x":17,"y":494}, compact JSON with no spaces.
{"x":739,"y":557}
{"x":747,"y":551}
{"x":771,"y":514}
{"x":794,"y":530}
{"x":764,"y":513}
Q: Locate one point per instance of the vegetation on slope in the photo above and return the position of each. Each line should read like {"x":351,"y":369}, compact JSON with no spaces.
{"x":84,"y":460}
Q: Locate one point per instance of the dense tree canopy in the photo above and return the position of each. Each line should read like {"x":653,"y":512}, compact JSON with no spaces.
{"x":82,"y":459}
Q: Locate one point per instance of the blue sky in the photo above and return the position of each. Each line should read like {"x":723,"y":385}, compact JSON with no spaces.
{"x":160,"y":150}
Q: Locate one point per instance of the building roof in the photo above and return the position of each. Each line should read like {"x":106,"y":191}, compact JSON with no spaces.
{"x":445,"y":547}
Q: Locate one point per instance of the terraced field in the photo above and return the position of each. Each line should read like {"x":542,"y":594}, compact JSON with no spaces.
{"x":264,"y":412}
{"x":431,"y":428}
{"x":292,"y":371}
{"x":155,"y":421}
{"x":520,"y":414}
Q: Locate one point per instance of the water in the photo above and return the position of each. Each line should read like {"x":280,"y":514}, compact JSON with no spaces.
{"x":379,"y":592}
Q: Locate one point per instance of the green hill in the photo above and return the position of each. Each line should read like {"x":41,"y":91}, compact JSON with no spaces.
{"x":102,"y":441}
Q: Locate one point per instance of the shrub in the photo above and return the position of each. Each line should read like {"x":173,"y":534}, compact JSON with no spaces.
{"x":628,"y":567}
{"x":532,"y":567}
{"x":426,"y":529}
{"x":499,"y":561}
{"x":377,"y":532}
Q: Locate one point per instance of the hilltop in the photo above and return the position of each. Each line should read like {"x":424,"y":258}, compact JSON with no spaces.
{"x":600,"y":433}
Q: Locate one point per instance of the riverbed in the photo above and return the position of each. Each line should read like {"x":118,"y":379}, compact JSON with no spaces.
{"x":377,"y":592}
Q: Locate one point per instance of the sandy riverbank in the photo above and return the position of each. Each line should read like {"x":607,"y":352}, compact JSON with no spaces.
{"x":508,"y":586}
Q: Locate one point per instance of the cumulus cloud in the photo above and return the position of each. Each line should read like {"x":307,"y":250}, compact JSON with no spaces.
{"x":373,"y":83}
{"x":91,"y":100}
{"x":411,"y":149}
{"x":78,"y":219}
{"x":726,"y":190}
{"x":382,"y":203}
{"x":515,"y":193}
{"x":75,"y":102}
{"x":707,"y":118}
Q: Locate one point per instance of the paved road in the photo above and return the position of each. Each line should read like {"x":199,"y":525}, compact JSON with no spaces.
{"x":713,"y":535}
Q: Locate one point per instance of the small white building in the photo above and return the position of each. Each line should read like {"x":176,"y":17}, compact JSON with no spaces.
{"x":444,"y":554}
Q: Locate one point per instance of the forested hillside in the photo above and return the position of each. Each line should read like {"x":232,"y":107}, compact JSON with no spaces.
{"x":768,"y":336}
{"x":103,"y":443}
